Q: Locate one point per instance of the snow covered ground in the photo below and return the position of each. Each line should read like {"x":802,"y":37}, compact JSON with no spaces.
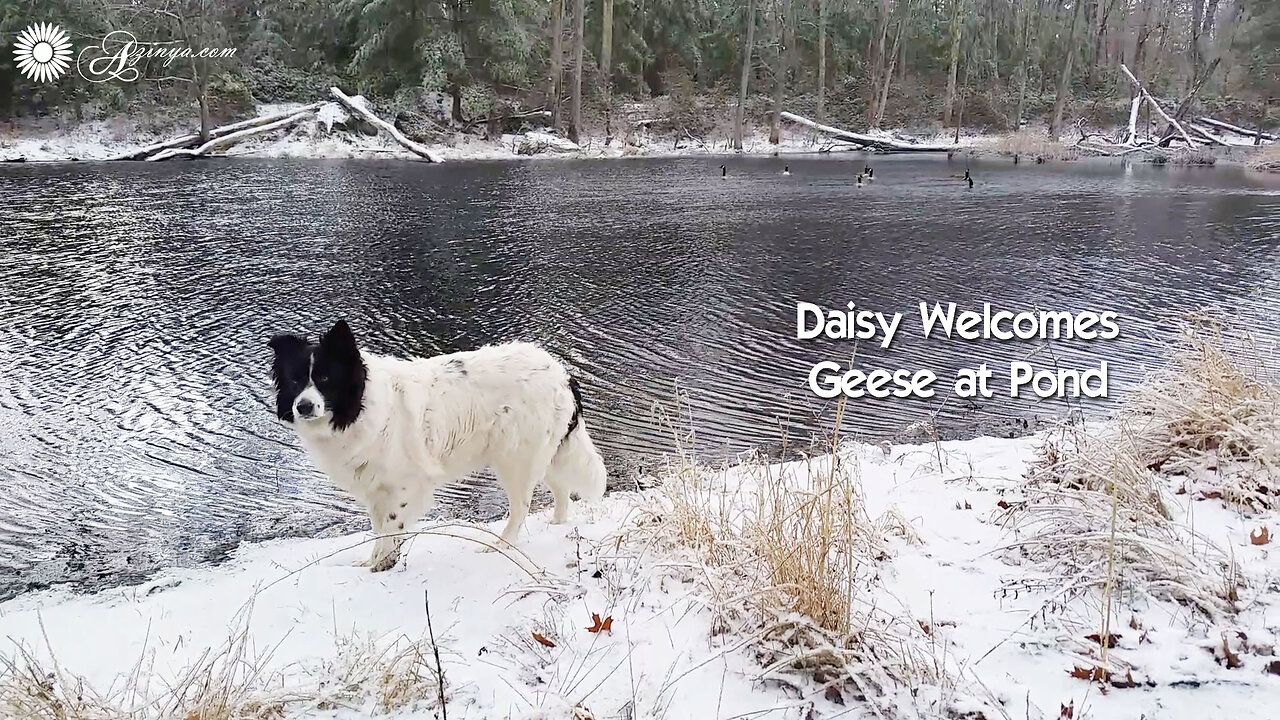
{"x":98,"y":139}
{"x":999,"y":633}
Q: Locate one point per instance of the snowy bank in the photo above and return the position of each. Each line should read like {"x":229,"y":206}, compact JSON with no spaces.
{"x":329,"y":134}
{"x":979,"y":628}
{"x":1121,"y":570}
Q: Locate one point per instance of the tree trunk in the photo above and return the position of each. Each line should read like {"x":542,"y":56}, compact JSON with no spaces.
{"x":206,"y":124}
{"x":883,"y":100}
{"x":455,"y":96}
{"x":1099,"y":38}
{"x":783,"y":67}
{"x":575,"y":109}
{"x":955,"y":62}
{"x":557,"y":60}
{"x":822,"y":59}
{"x":746,"y":74}
{"x":1262,"y":119}
{"x":606,"y":69}
{"x":1064,"y":80}
{"x":1193,"y":47}
{"x":878,"y":59}
{"x":1025,"y":62}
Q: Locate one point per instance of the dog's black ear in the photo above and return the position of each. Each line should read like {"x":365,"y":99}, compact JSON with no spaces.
{"x":340,"y":339}
{"x":287,"y":345}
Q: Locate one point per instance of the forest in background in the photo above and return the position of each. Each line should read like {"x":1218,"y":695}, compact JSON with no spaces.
{"x":993,"y":65}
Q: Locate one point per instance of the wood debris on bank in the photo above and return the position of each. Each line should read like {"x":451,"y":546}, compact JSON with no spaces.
{"x":867,"y":141}
{"x":326,"y":113}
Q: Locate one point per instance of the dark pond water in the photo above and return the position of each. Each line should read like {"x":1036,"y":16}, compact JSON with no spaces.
{"x":136,"y":300}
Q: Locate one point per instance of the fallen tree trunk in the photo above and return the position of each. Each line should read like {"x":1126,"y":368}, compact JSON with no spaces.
{"x":865,"y":140}
{"x":1132,"y":137}
{"x":187,"y":141}
{"x":545,"y":114}
{"x":231,"y":139}
{"x":1204,"y":133}
{"x":1237,"y":129}
{"x":1152,"y":103}
{"x":390,"y":129}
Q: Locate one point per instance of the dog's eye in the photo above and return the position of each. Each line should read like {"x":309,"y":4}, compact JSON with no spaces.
{"x":322,"y":378}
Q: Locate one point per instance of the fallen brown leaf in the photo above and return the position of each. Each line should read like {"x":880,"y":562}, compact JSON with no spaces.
{"x":1230,"y":659}
{"x":1002,"y":505}
{"x":542,"y":640}
{"x":1093,"y":674}
{"x":1112,"y":639}
{"x":1262,"y":537}
{"x":597,"y":624}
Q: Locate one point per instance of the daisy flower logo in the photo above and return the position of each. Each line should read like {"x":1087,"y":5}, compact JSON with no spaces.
{"x":42,"y":52}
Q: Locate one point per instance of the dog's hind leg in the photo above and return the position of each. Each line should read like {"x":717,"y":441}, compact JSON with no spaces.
{"x":519,"y":484}
{"x":559,"y":493}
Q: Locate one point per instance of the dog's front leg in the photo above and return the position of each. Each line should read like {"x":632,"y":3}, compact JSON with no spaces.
{"x":389,"y":528}
{"x":390,"y":513}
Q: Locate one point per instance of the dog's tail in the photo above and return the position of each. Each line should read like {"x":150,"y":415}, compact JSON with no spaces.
{"x":577,"y":464}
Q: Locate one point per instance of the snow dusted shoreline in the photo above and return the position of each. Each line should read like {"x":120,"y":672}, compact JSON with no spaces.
{"x":997,"y":635}
{"x":101,"y":139}
{"x":319,"y":138}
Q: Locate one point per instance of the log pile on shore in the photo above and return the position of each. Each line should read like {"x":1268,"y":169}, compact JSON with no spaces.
{"x":1200,"y":133}
{"x":342,"y":110}
{"x":859,"y":140}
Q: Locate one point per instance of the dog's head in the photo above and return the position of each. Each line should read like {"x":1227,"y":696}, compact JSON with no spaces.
{"x":319,"y":382}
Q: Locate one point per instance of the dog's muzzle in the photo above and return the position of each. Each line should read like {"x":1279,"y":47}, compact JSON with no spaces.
{"x":305,"y":409}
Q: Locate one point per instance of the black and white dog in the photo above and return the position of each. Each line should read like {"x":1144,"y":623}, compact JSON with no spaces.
{"x":392,"y":431}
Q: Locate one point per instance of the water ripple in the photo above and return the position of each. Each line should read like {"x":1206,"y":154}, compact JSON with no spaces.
{"x":136,"y":300}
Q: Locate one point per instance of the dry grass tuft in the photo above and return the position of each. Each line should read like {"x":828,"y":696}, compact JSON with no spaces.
{"x":1035,"y":144}
{"x":1213,"y":417}
{"x":230,"y":682}
{"x":396,"y":675}
{"x":1098,"y":503}
{"x":790,"y":561}
{"x":1267,"y":159}
{"x":1097,"y":518}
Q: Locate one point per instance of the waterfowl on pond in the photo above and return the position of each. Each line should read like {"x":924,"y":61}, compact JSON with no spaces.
{"x":786,"y":169}
{"x":1015,"y":158}
{"x":871,"y":173}
{"x":724,"y":171}
{"x":859,"y":179}
{"x":966,"y":177}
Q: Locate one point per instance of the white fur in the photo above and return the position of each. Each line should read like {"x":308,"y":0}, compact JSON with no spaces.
{"x":425,"y":423}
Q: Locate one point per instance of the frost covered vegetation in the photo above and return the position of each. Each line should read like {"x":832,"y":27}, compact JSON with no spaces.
{"x":482,"y":67}
{"x":1103,"y":569}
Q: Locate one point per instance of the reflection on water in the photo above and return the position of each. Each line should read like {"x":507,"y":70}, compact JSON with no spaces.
{"x":136,"y":300}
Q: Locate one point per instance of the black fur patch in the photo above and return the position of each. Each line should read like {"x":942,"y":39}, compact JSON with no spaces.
{"x":334,"y":365}
{"x":577,"y":407}
{"x":289,"y":371}
{"x":340,"y":374}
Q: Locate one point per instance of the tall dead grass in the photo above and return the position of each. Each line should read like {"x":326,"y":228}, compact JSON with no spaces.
{"x":790,"y":558}
{"x":1035,"y":144}
{"x":1098,"y":503}
{"x":1267,"y":159}
{"x":230,"y":682}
